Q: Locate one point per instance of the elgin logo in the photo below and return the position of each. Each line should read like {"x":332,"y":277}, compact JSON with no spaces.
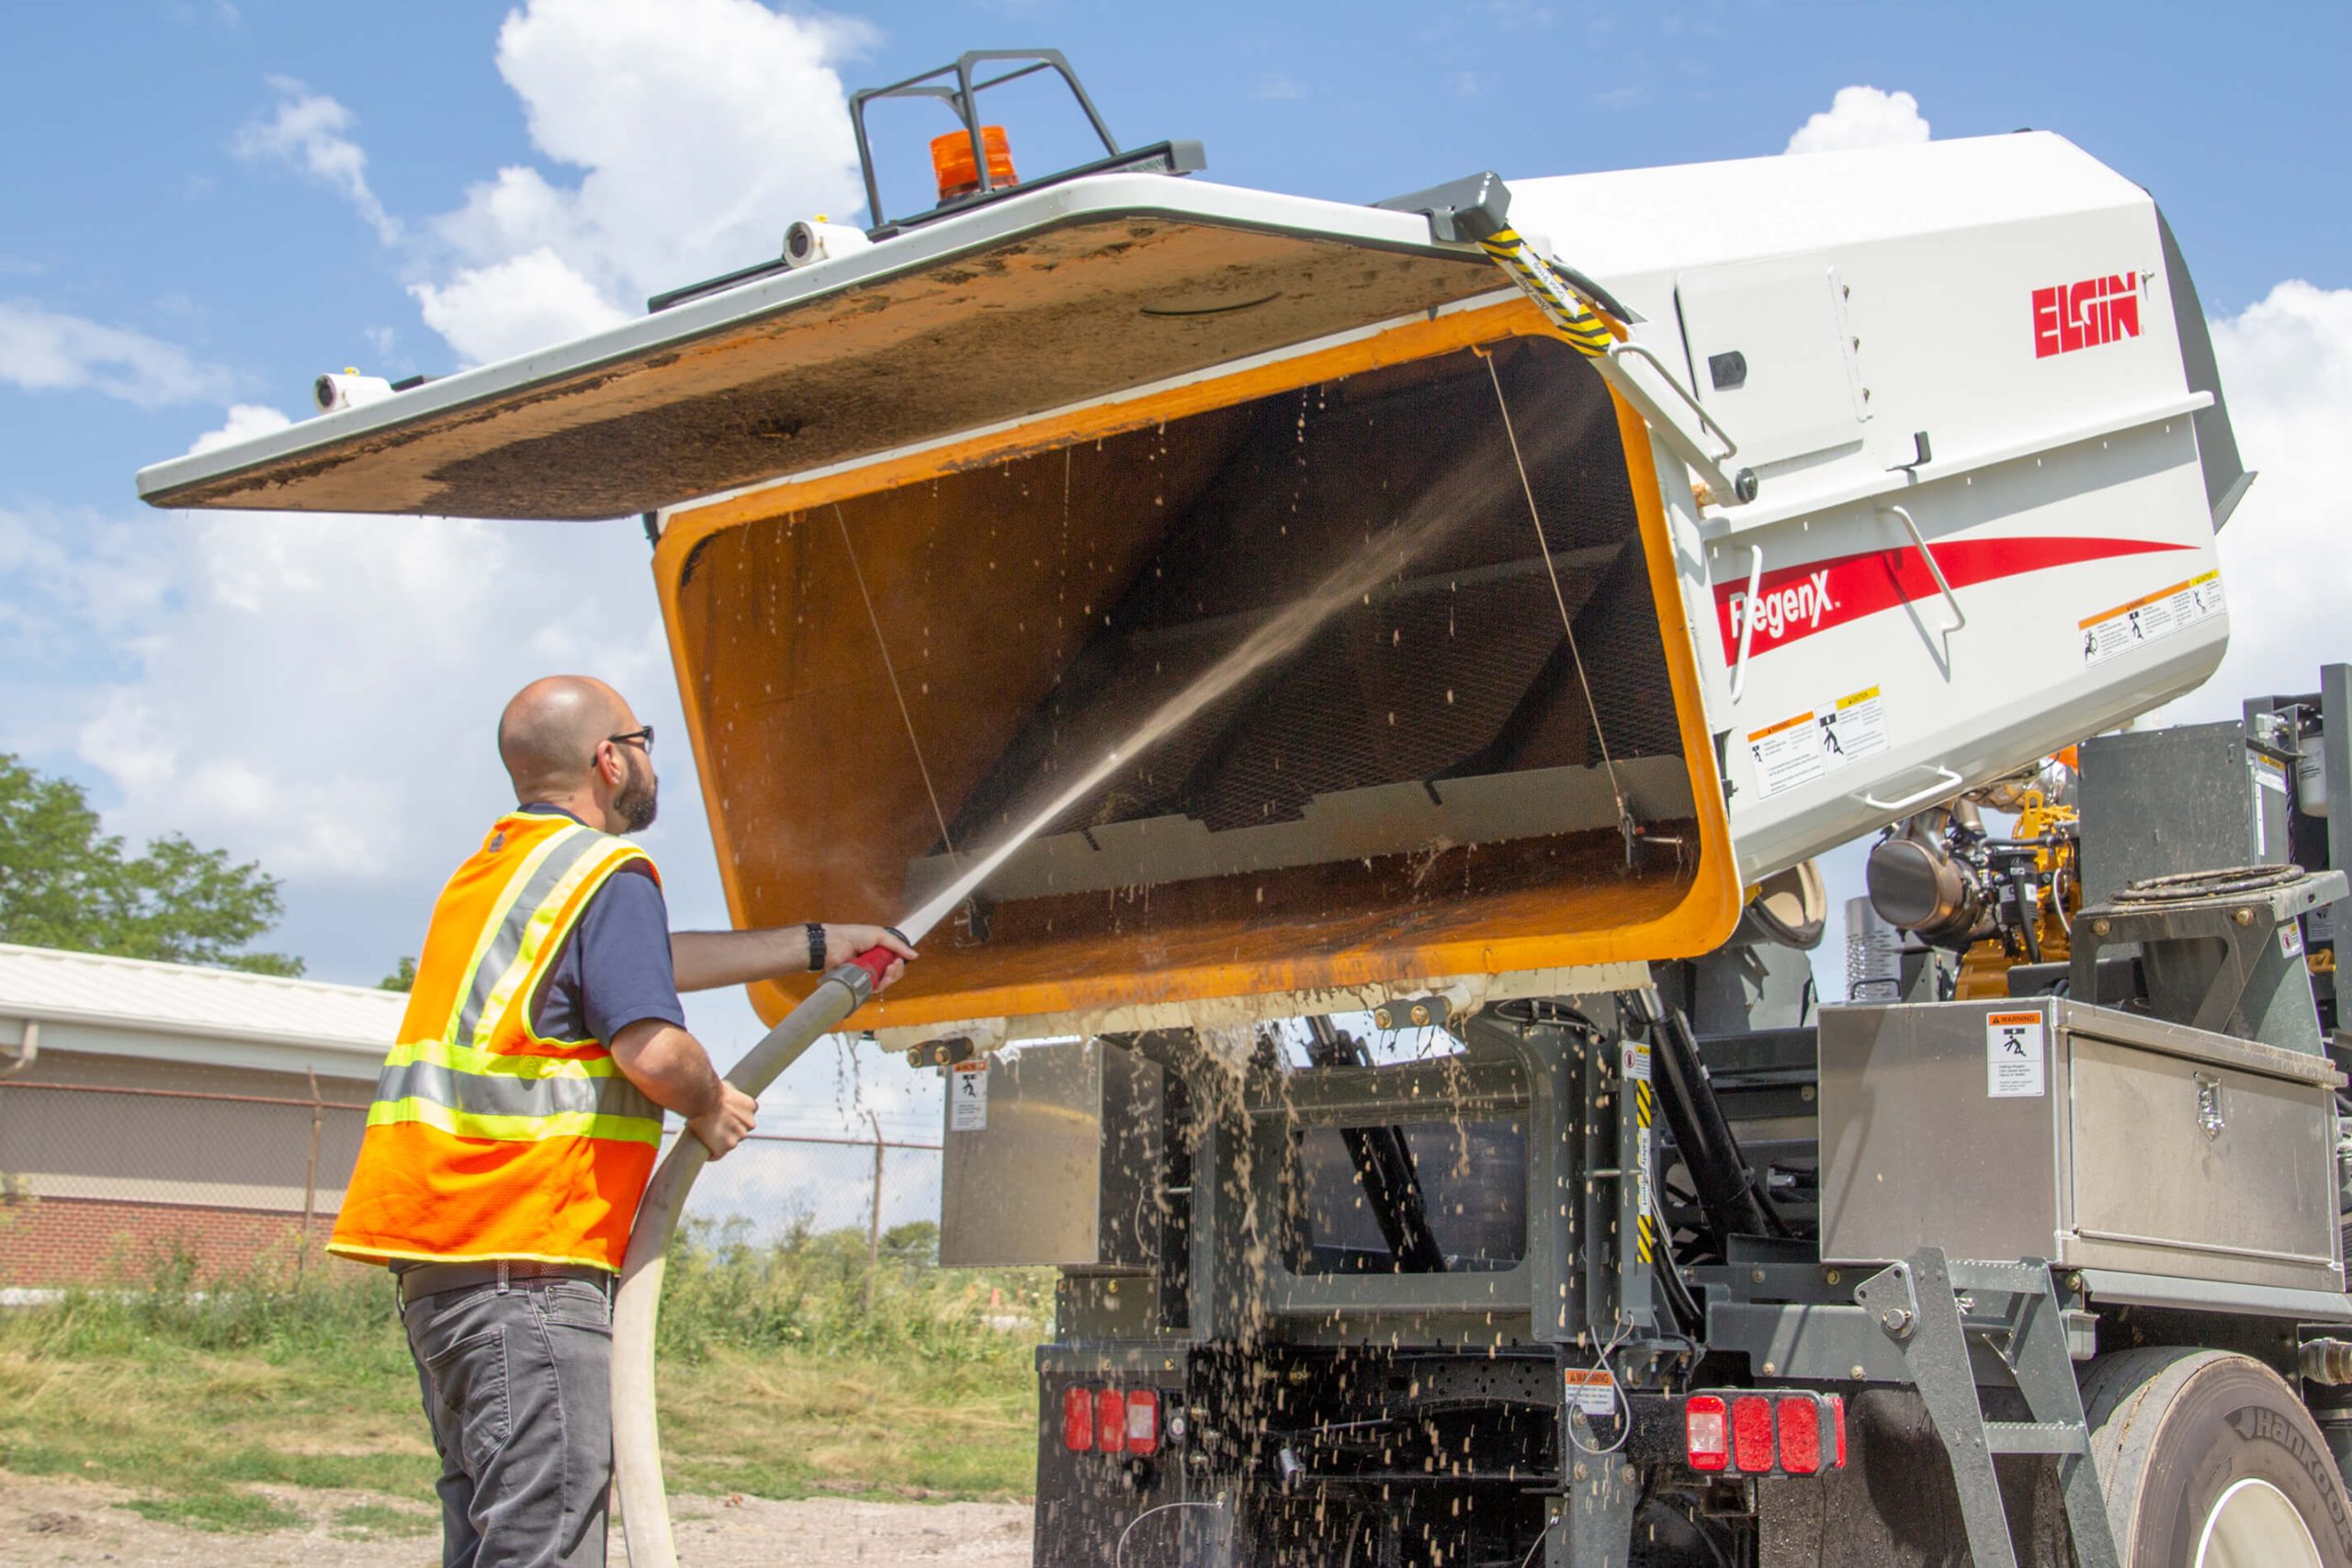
{"x":2086,"y":314}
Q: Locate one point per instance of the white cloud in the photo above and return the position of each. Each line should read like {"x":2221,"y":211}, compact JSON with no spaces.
{"x":2286,"y":364}
{"x":703,"y":128}
{"x":44,"y":350}
{"x":1274,"y":87}
{"x":1861,"y":116}
{"x":306,"y":671}
{"x":242,"y":422}
{"x":308,"y":132}
{"x":511,"y":307}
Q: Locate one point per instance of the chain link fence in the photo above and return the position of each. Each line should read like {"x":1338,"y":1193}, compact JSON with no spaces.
{"x":104,"y":1184}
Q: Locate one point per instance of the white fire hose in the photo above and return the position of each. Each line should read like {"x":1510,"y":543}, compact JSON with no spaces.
{"x":637,"y":1437}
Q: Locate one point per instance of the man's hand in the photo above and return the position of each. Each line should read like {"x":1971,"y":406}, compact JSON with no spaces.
{"x":724,"y":1125}
{"x":702,"y":959}
{"x":844,"y":943}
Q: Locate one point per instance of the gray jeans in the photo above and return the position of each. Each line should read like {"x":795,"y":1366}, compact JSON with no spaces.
{"x":518,"y":1386}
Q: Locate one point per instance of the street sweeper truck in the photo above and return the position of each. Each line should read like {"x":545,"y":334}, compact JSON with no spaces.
{"x":1348,"y":696}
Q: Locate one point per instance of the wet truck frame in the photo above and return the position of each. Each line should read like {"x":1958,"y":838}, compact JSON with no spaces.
{"x":1411,"y":1059}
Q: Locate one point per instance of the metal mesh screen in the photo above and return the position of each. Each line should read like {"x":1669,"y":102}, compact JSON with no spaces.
{"x":1456,"y":664}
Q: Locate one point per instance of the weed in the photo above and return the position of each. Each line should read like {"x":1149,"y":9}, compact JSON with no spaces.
{"x":777,"y":1380}
{"x":212,"y":1509}
{"x":364,"y":1521}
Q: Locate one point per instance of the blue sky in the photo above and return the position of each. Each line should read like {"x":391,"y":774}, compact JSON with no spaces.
{"x":208,"y":203}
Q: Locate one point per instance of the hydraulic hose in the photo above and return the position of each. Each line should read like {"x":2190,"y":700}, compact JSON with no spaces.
{"x":637,"y":1437}
{"x":1727,"y":1188}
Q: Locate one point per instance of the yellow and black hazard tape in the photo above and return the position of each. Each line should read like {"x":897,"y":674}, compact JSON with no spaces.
{"x":1586,"y":331}
{"x":1644,"y":1116}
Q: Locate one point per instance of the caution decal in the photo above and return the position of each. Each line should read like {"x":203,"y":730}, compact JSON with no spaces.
{"x":2150,"y":618}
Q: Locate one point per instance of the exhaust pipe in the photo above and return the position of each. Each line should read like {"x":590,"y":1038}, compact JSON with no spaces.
{"x":637,"y":1305}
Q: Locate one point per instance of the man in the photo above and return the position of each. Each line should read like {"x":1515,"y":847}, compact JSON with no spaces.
{"x":517,"y":1122}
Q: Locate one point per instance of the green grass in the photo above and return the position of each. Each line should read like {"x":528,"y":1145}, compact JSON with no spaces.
{"x":217,"y":1509}
{"x":775,"y":1381}
{"x":364,"y":1521}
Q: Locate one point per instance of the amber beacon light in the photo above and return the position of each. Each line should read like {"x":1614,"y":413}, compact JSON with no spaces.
{"x":951,"y":160}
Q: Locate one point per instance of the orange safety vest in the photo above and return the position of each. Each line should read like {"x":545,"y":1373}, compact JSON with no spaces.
{"x":486,"y":1139}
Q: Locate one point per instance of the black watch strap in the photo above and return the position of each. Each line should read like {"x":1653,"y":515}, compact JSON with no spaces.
{"x":816,"y":946}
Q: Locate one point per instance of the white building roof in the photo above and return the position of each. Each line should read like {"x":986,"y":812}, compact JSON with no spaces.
{"x":84,"y":1001}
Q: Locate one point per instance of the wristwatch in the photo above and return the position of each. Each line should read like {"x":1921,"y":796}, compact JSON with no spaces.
{"x":816,"y":946}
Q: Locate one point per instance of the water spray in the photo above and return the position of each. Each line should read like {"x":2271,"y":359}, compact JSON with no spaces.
{"x":637,"y":1445}
{"x":636,"y":1304}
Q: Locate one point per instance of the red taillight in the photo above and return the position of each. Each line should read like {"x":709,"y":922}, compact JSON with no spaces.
{"x":1800,"y":1434}
{"x":1078,"y":1419}
{"x":1143,"y":1421}
{"x":1705,"y":1436}
{"x":1751,"y":1433}
{"x":1111,"y":1421}
{"x":1837,"y":1417}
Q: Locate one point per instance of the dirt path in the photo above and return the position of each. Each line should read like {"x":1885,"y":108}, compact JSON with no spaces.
{"x":45,"y":1521}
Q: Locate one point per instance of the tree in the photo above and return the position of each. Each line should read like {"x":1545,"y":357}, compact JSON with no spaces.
{"x":402,"y":978}
{"x":65,"y":884}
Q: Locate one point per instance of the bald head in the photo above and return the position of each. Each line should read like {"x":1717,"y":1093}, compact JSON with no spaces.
{"x":548,"y":734}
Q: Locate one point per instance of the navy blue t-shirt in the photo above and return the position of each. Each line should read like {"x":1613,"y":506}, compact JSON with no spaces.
{"x":614,"y":968}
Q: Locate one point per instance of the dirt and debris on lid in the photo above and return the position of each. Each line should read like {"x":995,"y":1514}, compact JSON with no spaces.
{"x":1058,"y":318}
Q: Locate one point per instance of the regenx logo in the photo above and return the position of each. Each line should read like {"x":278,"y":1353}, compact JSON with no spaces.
{"x":2086,"y":314}
{"x":1784,"y":609}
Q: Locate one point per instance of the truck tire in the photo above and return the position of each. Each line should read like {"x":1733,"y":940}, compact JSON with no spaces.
{"x":2209,"y":1461}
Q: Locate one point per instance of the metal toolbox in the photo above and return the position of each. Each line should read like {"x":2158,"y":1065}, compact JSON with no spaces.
{"x":2094,"y":1138}
{"x":1053,"y":1157}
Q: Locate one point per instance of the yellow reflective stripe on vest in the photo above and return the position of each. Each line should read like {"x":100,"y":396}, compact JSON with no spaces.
{"x":513,"y":1095}
{"x":523,"y":874}
{"x":535,"y":926}
{"x":517,"y":1129}
{"x":468,"y":1060}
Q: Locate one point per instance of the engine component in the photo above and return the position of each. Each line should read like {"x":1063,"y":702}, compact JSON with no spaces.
{"x":2001,"y":902}
{"x":1917,"y":883}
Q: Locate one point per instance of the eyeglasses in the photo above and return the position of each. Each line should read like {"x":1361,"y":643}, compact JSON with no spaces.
{"x":643,"y":737}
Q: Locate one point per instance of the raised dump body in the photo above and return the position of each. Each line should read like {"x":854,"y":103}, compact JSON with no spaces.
{"x":942,"y":519}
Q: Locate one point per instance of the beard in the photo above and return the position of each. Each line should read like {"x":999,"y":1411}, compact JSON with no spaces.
{"x":640,"y":797}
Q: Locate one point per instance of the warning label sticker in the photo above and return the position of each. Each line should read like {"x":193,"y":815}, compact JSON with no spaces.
{"x":2151,"y":616}
{"x":1636,"y":1062}
{"x":2015,"y":1046}
{"x":1852,"y":725}
{"x":1589,"y":1390}
{"x":967,"y":1096}
{"x":1827,"y":736}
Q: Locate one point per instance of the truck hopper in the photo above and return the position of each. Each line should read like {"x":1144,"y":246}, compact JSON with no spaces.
{"x":940,"y":520}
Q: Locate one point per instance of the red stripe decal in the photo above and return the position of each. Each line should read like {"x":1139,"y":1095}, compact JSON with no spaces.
{"x":1794,"y":602}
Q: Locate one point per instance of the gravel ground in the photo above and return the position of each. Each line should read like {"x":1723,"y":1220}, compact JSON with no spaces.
{"x":45,"y":1521}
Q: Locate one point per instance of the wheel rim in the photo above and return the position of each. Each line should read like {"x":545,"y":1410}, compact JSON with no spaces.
{"x":2253,"y":1526}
